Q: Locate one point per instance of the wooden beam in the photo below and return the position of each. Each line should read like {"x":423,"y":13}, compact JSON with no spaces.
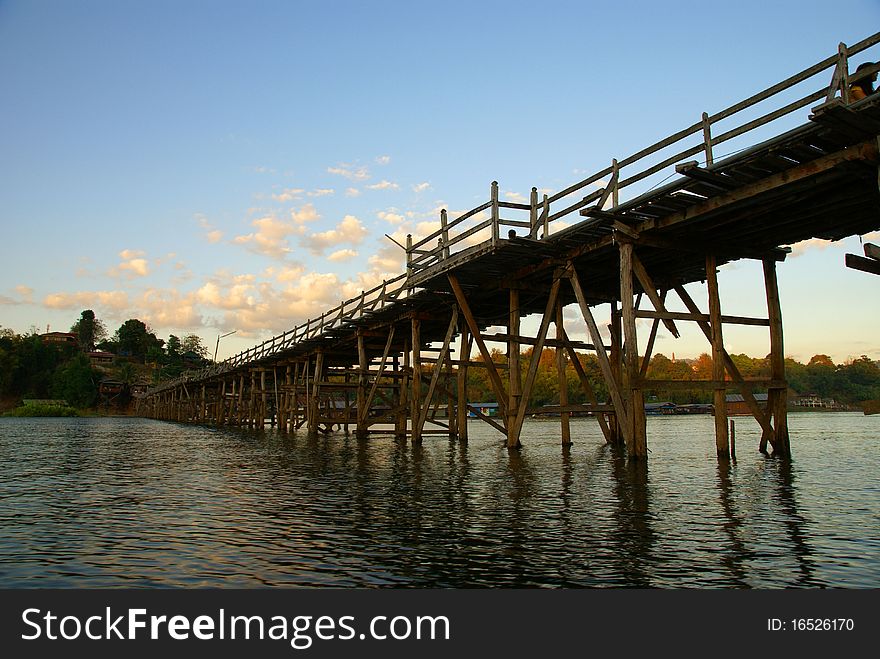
{"x":563,"y":380}
{"x":722,"y":440}
{"x":638,"y":449}
{"x":778,"y":399}
{"x":867,"y":150}
{"x":861,"y":263}
{"x":513,"y":433}
{"x":602,"y":356}
{"x":494,"y":377}
{"x":872,"y":251}
{"x":651,"y":291}
{"x":363,"y":414}
{"x":744,"y":388}
{"x":438,"y":368}
{"x":679,"y":315}
{"x":713,"y":179}
{"x":588,"y":389}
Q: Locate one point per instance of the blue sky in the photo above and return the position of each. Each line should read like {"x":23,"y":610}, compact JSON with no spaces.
{"x":218,"y":166}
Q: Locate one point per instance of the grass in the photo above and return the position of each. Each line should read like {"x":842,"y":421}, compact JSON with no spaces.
{"x":41,"y":409}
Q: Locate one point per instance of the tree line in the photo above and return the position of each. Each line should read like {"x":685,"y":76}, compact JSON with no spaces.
{"x":850,"y":383}
{"x":34,"y":368}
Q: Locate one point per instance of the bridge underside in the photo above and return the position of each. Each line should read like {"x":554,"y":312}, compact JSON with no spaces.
{"x":379,"y":373}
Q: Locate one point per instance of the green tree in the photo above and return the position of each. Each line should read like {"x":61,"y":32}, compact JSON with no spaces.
{"x":75,"y":382}
{"x":135,"y":339}
{"x":89,"y":330}
{"x":192,"y":344}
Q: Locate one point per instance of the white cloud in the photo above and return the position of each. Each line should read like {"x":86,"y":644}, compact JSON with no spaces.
{"x":352,"y":172}
{"x":270,"y":237}
{"x":321,"y":192}
{"x":515,"y":197}
{"x":352,"y":192}
{"x":383,"y":160}
{"x":111,"y":300}
{"x":813,"y":244}
{"x":306,"y":213}
{"x":391,"y":217}
{"x":350,"y":230}
{"x":421,"y":187}
{"x":132,"y":265}
{"x":383,"y":185}
{"x":26,"y":293}
{"x":289,"y":194}
{"x":212,"y":234}
{"x":342,"y":255}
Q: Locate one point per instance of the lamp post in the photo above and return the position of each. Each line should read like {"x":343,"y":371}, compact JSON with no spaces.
{"x":217,"y":347}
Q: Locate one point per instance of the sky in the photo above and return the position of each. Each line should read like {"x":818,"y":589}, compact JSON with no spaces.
{"x":216,"y":166}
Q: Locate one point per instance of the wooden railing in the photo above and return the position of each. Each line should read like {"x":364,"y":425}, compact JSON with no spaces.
{"x":348,"y":311}
{"x":610,"y":181}
{"x":452,"y":236}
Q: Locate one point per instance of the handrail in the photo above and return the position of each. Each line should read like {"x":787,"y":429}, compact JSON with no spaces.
{"x":839,"y":81}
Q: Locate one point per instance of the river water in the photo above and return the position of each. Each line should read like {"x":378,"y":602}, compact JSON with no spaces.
{"x":118,"y":502}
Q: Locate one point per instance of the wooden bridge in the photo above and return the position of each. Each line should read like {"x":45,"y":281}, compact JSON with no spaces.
{"x":802,"y":163}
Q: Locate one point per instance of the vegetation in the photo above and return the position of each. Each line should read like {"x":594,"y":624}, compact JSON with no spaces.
{"x":851,"y":383}
{"x":42,"y":409}
{"x":32,"y":368}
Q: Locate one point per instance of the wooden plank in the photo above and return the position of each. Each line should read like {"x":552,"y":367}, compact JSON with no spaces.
{"x":638,"y":449}
{"x":872,"y":251}
{"x":857,"y":262}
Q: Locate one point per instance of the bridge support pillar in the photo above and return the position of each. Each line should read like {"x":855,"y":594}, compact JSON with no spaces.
{"x":777,"y":397}
{"x":719,"y":395}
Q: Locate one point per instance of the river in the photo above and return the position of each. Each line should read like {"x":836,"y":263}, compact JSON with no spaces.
{"x":125,"y":502}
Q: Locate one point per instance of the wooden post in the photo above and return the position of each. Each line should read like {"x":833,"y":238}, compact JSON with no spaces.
{"x":707,"y":138}
{"x":496,"y":216}
{"x":415,"y":403}
{"x":409,"y":255}
{"x":721,"y":440}
{"x":545,"y":214}
{"x":461,"y":384}
{"x":513,"y":359}
{"x":362,"y":386}
{"x":264,"y":399}
{"x":400,"y":398}
{"x":444,"y":221}
{"x":563,"y":380}
{"x":732,"y":441}
{"x":533,"y":213}
{"x":314,"y":402}
{"x":616,"y":361}
{"x":777,"y":400}
{"x":636,"y":400}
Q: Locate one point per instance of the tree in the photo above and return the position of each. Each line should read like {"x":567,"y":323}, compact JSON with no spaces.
{"x":136,"y":339}
{"x":174,"y":349}
{"x":75,"y":382}
{"x":193,"y":344}
{"x":89,"y":330}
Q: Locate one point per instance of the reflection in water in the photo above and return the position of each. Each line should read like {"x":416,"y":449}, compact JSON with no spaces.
{"x":131,"y":502}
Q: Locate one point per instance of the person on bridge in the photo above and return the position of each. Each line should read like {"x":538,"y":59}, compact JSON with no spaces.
{"x":864,"y":87}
